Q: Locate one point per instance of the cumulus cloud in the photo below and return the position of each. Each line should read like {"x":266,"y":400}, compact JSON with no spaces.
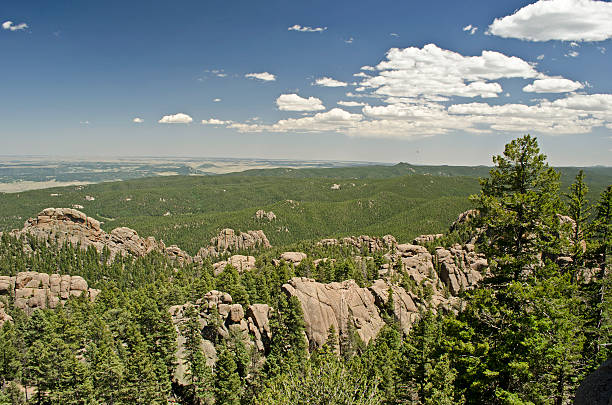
{"x":540,"y":57}
{"x":216,"y":100}
{"x":299,"y":28}
{"x":293,"y":102}
{"x":334,"y":120}
{"x":329,"y":82}
{"x":564,"y":20}
{"x":214,"y":121}
{"x":349,"y":41}
{"x":179,"y":118}
{"x":552,"y":85}
{"x":572,"y":54}
{"x":263,"y":76}
{"x":432,"y":71}
{"x":471,"y":29}
{"x":138,"y":120}
{"x":351,"y":103}
{"x":9,"y":25}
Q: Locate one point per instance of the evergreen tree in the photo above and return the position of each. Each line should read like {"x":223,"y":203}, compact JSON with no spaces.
{"x":518,"y":204}
{"x":579,"y":210}
{"x":227,"y":380}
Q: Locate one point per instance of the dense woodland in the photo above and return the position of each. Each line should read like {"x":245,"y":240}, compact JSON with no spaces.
{"x":528,"y":335}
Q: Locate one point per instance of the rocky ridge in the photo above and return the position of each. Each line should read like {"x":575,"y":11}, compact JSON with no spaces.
{"x":68,"y":225}
{"x":31,"y":290}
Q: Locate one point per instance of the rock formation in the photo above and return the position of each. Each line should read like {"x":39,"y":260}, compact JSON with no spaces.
{"x":31,"y":290}
{"x":369,"y":244}
{"x":423,"y":239}
{"x":229,"y":240}
{"x":436,"y":283}
{"x":67,"y":225}
{"x":294,"y":258}
{"x":240,"y":262}
{"x":261,"y":214}
{"x":4,"y":317}
{"x":596,"y":388}
{"x":335,"y":304}
{"x":460,"y":269}
{"x":219,"y":319}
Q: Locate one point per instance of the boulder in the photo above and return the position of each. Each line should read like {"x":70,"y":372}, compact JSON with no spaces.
{"x":596,"y":388}
{"x":293,"y":257}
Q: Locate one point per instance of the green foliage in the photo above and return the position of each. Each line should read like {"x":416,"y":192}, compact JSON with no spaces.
{"x":518,"y":204}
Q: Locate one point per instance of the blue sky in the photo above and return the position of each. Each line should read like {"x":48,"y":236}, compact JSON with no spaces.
{"x":422,"y":82}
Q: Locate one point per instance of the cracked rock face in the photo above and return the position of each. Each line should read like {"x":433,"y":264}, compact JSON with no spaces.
{"x":31,"y":290}
{"x":335,"y":304}
{"x":460,"y":269}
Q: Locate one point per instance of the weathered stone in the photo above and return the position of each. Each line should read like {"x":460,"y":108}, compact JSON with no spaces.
{"x":236,"y":313}
{"x":229,"y":240}
{"x":369,"y":244}
{"x":239,"y":262}
{"x":293,"y":257}
{"x":337,"y":305}
{"x":78,"y":283}
{"x":422,"y":239}
{"x":67,"y":225}
{"x":596,"y":388}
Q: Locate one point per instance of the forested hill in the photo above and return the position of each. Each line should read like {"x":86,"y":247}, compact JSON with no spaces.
{"x":596,"y":174}
{"x":186,"y":210}
{"x":403,"y":200}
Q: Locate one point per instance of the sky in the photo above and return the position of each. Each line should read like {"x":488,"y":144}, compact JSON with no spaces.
{"x":436,"y":82}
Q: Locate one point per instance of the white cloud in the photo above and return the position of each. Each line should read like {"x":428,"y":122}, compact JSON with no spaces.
{"x":351,"y":103}
{"x":552,"y":85}
{"x":299,"y":28}
{"x":564,"y":20}
{"x":371,"y":68}
{"x":84,"y":122}
{"x":263,"y":76}
{"x":540,"y":57}
{"x":334,"y":120}
{"x":432,"y":71}
{"x":471,"y":29}
{"x":574,"y":44}
{"x":293,"y":102}
{"x":329,"y":82}
{"x":572,"y":54}
{"x":179,"y":118}
{"x":214,"y":121}
{"x":349,"y":41}
{"x":393,"y":34}
{"x":138,"y":120}
{"x":216,"y":100}
{"x":9,"y":25}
